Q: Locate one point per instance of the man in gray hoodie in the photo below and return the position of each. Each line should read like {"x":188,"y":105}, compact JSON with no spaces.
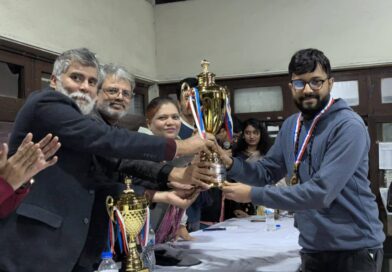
{"x":324,"y":150}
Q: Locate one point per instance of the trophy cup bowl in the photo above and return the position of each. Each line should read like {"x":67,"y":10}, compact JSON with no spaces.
{"x":213,"y":106}
{"x":133,"y":210}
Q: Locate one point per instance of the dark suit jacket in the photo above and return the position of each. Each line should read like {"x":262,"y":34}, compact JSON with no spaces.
{"x":48,"y":230}
{"x":108,"y":174}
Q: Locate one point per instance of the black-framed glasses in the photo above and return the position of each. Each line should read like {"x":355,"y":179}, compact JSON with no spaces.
{"x":314,"y":84}
{"x":116,"y":91}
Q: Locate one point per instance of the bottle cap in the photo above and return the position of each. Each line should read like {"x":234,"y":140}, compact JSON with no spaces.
{"x":277,"y":226}
{"x":106,"y":255}
{"x":269,"y":211}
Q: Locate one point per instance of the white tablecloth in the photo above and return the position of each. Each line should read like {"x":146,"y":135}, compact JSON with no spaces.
{"x":243,"y":246}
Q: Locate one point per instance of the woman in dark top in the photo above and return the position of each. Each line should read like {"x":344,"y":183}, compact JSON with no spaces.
{"x":254,"y":142}
{"x":252,"y":145}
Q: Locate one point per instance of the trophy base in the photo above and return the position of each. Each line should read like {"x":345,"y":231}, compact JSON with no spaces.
{"x":129,"y":268}
{"x":221,"y":175}
{"x":218,"y":185}
{"x":134,"y":270}
{"x":218,"y":168}
{"x":133,"y":263}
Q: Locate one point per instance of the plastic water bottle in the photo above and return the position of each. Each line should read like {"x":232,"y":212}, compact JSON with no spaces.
{"x":270,"y":219}
{"x":107,"y":264}
{"x":148,"y":252}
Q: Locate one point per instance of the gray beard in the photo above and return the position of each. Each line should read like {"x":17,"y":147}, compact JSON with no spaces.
{"x":85,"y":107}
{"x":105,"y":110}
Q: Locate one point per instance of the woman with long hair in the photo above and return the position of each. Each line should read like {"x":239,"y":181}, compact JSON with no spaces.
{"x":253,"y":143}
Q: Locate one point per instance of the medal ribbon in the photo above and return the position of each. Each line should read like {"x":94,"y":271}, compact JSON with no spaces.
{"x":228,"y":119}
{"x":123,"y":232}
{"x":197,"y":113}
{"x":309,"y":134}
{"x":144,"y":233}
{"x":111,"y":236}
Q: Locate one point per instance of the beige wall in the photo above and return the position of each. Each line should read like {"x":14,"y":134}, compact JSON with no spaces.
{"x":254,"y":37}
{"x":239,"y":37}
{"x":119,"y":31}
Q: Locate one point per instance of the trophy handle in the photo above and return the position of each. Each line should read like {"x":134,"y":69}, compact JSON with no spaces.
{"x":185,"y":87}
{"x":110,"y":207}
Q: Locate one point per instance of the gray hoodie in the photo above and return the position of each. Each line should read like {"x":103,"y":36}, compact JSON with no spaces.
{"x":334,"y":206}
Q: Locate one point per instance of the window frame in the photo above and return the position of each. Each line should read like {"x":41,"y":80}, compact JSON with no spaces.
{"x":33,"y":61}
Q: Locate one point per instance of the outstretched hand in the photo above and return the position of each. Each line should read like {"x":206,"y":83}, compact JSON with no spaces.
{"x":195,"y":144}
{"x":193,"y":175}
{"x":183,"y":233}
{"x":238,"y":192}
{"x":177,"y":197}
{"x":203,"y":173}
{"x":226,"y":156}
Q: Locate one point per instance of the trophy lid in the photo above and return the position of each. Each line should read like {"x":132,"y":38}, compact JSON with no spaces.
{"x":206,"y":78}
{"x":129,"y":198}
{"x":128,"y":183}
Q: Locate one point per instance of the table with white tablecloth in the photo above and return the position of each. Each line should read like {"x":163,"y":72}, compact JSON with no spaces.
{"x":243,"y":246}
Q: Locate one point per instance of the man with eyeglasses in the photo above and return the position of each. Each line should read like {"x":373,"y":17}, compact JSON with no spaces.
{"x":113,"y":102}
{"x":49,"y":229}
{"x":115,"y":95}
{"x":324,"y":150}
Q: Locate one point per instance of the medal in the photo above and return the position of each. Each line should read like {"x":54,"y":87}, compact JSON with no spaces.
{"x":299,"y":154}
{"x":293,"y":180}
{"x":294,"y":177}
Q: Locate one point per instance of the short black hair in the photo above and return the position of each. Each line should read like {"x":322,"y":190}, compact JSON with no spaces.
{"x":192,"y":82}
{"x":306,"y":61}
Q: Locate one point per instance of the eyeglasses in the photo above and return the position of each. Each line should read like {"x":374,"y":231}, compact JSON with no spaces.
{"x":115,"y":92}
{"x":314,"y":84}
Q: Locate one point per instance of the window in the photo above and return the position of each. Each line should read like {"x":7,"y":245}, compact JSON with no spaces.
{"x":10,"y":77}
{"x":137,"y":105}
{"x":348,"y":90}
{"x":22,"y":70}
{"x":386,"y":90}
{"x":258,"y":99}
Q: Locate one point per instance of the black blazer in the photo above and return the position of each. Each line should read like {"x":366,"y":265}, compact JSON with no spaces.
{"x":48,"y":230}
{"x":108,"y":173}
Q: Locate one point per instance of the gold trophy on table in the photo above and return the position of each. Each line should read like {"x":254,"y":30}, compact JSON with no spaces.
{"x":210,"y":102}
{"x":133,"y":212}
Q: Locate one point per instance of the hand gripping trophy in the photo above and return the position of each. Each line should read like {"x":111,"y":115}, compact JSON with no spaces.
{"x":129,"y":211}
{"x":211,"y":109}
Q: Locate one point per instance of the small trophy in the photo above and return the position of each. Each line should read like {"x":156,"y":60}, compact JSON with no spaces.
{"x":210,"y":102}
{"x":133,"y":212}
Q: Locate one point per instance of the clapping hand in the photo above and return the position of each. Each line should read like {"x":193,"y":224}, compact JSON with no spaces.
{"x":28,"y":160}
